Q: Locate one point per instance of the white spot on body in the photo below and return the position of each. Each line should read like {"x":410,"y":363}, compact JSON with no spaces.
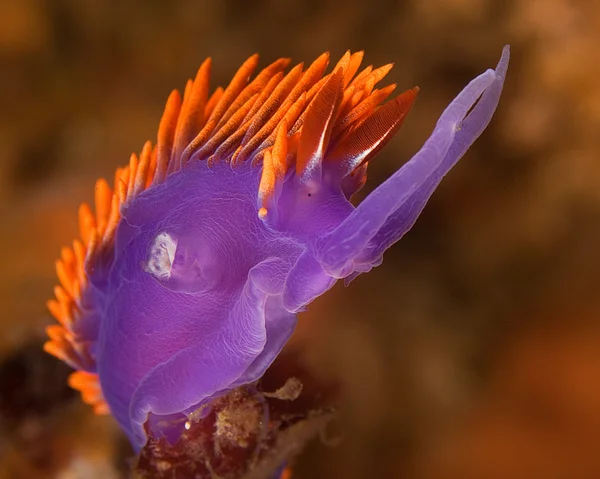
{"x":161,"y":256}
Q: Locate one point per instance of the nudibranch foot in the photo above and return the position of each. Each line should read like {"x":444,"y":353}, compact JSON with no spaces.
{"x":237,"y":354}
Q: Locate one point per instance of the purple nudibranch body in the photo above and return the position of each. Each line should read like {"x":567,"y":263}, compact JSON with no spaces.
{"x":188,"y":276}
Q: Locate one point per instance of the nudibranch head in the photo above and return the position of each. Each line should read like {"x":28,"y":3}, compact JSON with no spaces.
{"x":189,"y":272}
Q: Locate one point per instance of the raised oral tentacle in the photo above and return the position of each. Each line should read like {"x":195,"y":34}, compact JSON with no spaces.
{"x":339,"y":248}
{"x":470,"y":129}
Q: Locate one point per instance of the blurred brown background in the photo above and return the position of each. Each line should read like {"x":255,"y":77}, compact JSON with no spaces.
{"x":473,"y":352}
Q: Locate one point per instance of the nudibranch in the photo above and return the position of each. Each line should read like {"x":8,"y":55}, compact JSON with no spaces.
{"x":189,"y":272}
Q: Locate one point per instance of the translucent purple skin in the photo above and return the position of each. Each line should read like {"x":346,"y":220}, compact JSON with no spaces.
{"x":202,"y":294}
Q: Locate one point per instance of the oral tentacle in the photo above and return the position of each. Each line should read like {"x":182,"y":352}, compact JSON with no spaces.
{"x":402,"y":220}
{"x":337,"y":250}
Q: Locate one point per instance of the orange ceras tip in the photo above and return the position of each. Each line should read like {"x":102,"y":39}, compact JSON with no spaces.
{"x":287,"y":473}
